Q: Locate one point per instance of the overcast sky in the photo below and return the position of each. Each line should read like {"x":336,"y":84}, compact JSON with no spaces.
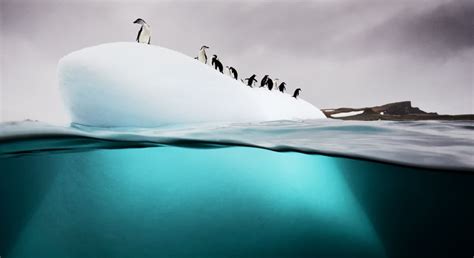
{"x":341,"y":52}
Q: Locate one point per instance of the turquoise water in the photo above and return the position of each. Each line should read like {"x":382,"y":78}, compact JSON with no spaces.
{"x":64,"y":196}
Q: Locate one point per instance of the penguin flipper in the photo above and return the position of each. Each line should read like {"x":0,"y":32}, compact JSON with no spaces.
{"x":138,"y":35}
{"x":149,"y":40}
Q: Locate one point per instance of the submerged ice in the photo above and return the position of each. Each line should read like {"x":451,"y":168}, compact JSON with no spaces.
{"x":139,"y":85}
{"x":233,"y":202}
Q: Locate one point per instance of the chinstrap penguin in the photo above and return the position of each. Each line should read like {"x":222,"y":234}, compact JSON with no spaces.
{"x":282,"y":87}
{"x":296,"y":93}
{"x":144,"y":34}
{"x":217,"y":64}
{"x":263,"y":82}
{"x":202,"y":57}
{"x":227,"y":71}
{"x":275,"y":81}
{"x":234,"y":73}
{"x":269,"y":83}
{"x":251,"y":80}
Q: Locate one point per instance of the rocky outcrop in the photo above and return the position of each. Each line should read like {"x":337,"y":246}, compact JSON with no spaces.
{"x":392,"y":111}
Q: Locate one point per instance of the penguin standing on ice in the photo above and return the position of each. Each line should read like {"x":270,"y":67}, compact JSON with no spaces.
{"x":296,"y":93}
{"x":144,"y":34}
{"x":251,"y":80}
{"x":282,"y":87}
{"x":202,"y":57}
{"x":234,"y":73}
{"x":217,"y":64}
{"x":276,"y":82}
{"x":269,"y":83}
{"x":263,"y":82}
{"x":270,"y":86}
{"x":227,"y":71}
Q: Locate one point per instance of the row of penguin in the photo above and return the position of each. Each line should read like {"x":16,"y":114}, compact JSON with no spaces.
{"x":144,"y":36}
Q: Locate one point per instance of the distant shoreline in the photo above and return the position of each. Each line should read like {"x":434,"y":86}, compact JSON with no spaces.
{"x":398,"y":111}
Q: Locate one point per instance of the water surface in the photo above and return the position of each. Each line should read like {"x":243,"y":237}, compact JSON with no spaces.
{"x":237,"y":190}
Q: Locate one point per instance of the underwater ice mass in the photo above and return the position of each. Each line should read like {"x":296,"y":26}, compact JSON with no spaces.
{"x":127,"y":84}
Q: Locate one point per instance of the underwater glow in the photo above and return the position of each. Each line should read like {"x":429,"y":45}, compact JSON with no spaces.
{"x":173,"y":201}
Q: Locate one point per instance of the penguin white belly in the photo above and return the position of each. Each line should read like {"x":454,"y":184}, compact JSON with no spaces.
{"x":227,"y":72}
{"x":202,"y":56}
{"x":145,"y":34}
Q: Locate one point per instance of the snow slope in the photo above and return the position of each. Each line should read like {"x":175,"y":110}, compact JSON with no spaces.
{"x":129,"y":84}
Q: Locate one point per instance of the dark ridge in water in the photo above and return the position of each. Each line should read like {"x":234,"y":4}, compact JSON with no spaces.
{"x":49,"y":144}
{"x":46,"y":144}
{"x":446,"y":145}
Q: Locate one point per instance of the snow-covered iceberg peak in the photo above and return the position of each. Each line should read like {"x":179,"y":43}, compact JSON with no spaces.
{"x":138,"y":85}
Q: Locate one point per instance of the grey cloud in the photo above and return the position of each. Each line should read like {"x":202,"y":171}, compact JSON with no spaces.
{"x":437,"y":32}
{"x":337,"y":29}
{"x":341,"y":52}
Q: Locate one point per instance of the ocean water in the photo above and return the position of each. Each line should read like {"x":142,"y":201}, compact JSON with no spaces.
{"x":286,"y":189}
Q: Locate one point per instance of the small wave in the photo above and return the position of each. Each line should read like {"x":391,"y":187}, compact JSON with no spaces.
{"x":438,"y":145}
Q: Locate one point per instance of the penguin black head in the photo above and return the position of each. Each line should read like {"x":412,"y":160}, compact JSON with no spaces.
{"x":204,"y":47}
{"x":139,"y":21}
{"x":215,"y":56}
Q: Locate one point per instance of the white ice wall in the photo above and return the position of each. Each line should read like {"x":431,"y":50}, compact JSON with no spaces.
{"x":132,"y":84}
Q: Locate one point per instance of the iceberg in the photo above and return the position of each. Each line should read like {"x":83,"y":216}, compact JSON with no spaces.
{"x":126,"y":84}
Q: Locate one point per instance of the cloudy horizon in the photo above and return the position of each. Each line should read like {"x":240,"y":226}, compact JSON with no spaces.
{"x":342,"y":53}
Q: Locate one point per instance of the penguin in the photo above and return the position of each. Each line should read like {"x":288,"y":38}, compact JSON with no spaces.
{"x":227,"y":71}
{"x":144,"y":35}
{"x":263,"y":82}
{"x":217,"y":64}
{"x":250,"y":80}
{"x":234,"y":73}
{"x":213,"y":60}
{"x":276,"y":82}
{"x":202,"y":57}
{"x":269,"y":83}
{"x":282,"y":87}
{"x":297,"y":93}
